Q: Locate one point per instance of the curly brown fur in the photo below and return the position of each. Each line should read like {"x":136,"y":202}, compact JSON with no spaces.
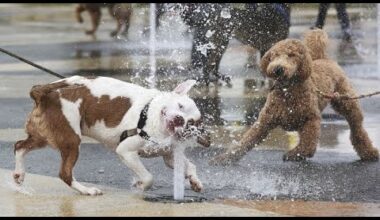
{"x":294,"y":105}
{"x":316,"y":42}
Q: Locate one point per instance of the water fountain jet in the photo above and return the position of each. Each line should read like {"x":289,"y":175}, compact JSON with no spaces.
{"x":179,"y":173}
{"x":152,"y":45}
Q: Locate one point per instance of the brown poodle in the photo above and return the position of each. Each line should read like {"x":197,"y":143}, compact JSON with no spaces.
{"x":299,"y":69}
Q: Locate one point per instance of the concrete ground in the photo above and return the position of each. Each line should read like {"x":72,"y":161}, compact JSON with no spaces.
{"x":56,"y":199}
{"x":332,"y":183}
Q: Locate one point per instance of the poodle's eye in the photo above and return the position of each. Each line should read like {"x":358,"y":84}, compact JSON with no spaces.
{"x":291,"y":55}
{"x":180,"y":106}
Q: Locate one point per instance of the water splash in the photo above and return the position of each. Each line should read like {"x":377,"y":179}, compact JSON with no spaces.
{"x":209,"y":33}
{"x":225,"y":13}
{"x":204,"y":47}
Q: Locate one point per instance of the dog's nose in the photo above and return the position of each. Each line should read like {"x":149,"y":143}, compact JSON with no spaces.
{"x":179,"y":120}
{"x":278,"y":71}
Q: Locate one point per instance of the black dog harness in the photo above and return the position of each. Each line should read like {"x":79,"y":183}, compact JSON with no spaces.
{"x":140,"y":125}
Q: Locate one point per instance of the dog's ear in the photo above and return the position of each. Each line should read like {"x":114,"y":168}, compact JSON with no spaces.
{"x":305,"y":67}
{"x":184,"y":88}
{"x":264,"y":62}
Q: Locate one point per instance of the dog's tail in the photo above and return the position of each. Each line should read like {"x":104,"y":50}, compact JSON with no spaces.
{"x":38,"y":92}
{"x":316,"y":41}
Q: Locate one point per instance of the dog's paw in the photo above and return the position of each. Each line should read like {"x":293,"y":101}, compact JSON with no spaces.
{"x":92,"y":191}
{"x":371,"y":155}
{"x":195,"y":184}
{"x":18,"y":177}
{"x":143,"y":185}
{"x":293,"y":156}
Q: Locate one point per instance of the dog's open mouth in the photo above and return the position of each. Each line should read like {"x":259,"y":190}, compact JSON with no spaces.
{"x":191,"y":129}
{"x":174,"y":128}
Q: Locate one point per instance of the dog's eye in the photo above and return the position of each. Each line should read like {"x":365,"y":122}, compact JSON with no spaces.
{"x":180,"y":106}
{"x":292,"y":55}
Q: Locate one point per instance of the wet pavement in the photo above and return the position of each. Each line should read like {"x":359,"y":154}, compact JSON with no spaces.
{"x":333,"y":180}
{"x":56,"y":199}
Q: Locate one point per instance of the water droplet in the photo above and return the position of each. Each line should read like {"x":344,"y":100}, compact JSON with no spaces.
{"x":225,"y":13}
{"x":209,"y":33}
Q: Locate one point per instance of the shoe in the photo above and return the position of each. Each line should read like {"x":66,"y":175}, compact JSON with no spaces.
{"x":315,"y":27}
{"x":348,"y":51}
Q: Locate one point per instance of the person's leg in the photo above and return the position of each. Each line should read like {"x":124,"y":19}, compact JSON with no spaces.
{"x":346,"y":47}
{"x":322,"y":12}
{"x":344,"y":20}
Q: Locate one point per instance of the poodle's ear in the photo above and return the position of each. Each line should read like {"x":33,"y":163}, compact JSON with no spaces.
{"x":305,"y":67}
{"x":264,"y":62}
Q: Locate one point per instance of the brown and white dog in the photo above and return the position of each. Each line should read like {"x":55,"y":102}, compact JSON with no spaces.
{"x":125,"y":117}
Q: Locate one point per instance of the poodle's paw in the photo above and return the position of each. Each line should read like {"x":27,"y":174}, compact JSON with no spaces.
{"x":195,"y":184}
{"x":293,"y":156}
{"x":18,"y":177}
{"x":370,"y":155}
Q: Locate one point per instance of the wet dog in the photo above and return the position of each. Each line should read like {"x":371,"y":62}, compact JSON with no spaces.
{"x":120,"y":12}
{"x":300,"y":69}
{"x":129,"y":119}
